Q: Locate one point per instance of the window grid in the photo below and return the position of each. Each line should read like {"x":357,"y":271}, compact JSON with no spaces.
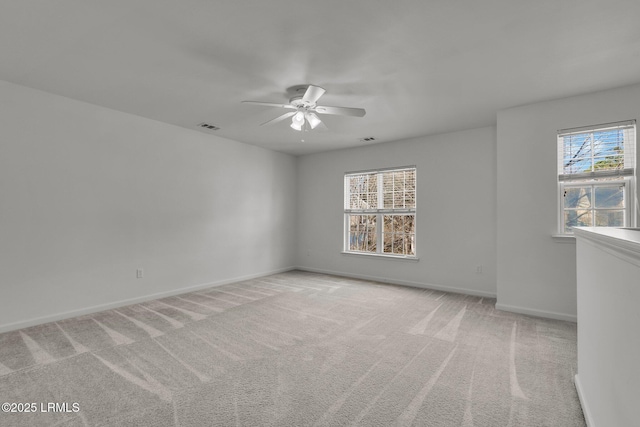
{"x":399,"y":234}
{"x":380,"y":212}
{"x":596,"y":169}
{"x":362,"y":232}
{"x":597,"y":204}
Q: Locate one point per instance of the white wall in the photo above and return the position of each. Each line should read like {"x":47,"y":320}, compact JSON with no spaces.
{"x":537,"y":274}
{"x":88,"y":194}
{"x":456,"y":218}
{"x":608,"y":379}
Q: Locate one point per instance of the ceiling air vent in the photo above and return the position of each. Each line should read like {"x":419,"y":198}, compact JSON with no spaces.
{"x":367,"y":139}
{"x":208,"y":126}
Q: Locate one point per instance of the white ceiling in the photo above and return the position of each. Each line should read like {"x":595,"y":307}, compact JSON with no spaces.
{"x":418,"y":67}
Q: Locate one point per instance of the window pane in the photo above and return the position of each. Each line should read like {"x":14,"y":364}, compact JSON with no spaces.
{"x":353,"y":201}
{"x":410,"y":189}
{"x":398,"y":244}
{"x":593,"y":151}
{"x":388,"y":200}
{"x":399,"y":189}
{"x":409,"y":224}
{"x":373,"y":201}
{"x":399,"y":234}
{"x":394,"y":223}
{"x":371,"y":234}
{"x":388,"y":242}
{"x":388,"y":226}
{"x":577,"y":153}
{"x":577,"y":165}
{"x":410,"y":234}
{"x":398,"y":199}
{"x":362,"y":233}
{"x":608,"y":149}
{"x":609,"y":196}
{"x":387,"y":186}
{"x":577,"y":197}
{"x":609,"y":218}
{"x":577,"y":218}
{"x":363,"y":191}
{"x":398,"y":223}
{"x":611,"y":162}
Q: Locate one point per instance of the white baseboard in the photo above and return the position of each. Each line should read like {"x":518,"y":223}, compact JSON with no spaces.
{"x":537,"y":313}
{"x":402,"y":282}
{"x":583,"y":402}
{"x":101,"y":307}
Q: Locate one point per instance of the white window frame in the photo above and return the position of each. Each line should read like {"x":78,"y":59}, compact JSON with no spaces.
{"x":380,"y":213}
{"x":624,"y":177}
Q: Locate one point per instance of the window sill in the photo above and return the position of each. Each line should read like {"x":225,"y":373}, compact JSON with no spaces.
{"x":564,"y":238}
{"x":383,"y":256}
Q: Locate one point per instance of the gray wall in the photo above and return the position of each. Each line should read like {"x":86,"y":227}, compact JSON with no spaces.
{"x":88,"y":195}
{"x":456,"y":217}
{"x":536,"y":273}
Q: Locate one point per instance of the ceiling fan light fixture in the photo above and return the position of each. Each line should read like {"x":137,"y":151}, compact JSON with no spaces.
{"x":313,"y":120}
{"x":298,"y":118}
{"x":296,"y":126}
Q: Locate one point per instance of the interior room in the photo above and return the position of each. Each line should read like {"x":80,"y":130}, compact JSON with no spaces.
{"x":315,"y":213}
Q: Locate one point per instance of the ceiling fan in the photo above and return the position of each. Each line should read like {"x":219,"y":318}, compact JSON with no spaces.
{"x":305,"y":108}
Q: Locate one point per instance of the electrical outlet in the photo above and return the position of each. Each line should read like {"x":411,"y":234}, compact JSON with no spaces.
{"x":479,"y":269}
{"x":139,"y":273}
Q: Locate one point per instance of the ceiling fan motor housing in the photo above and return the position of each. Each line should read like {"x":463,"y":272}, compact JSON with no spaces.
{"x":300,"y":104}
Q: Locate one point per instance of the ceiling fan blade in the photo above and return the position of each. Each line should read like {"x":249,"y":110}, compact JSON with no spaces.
{"x":340,"y":111}
{"x":321,"y":128}
{"x":270,"y":104}
{"x":279,"y":118}
{"x":312,"y":94}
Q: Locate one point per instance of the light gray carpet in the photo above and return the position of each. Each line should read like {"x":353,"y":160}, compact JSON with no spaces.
{"x":296,"y":349}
